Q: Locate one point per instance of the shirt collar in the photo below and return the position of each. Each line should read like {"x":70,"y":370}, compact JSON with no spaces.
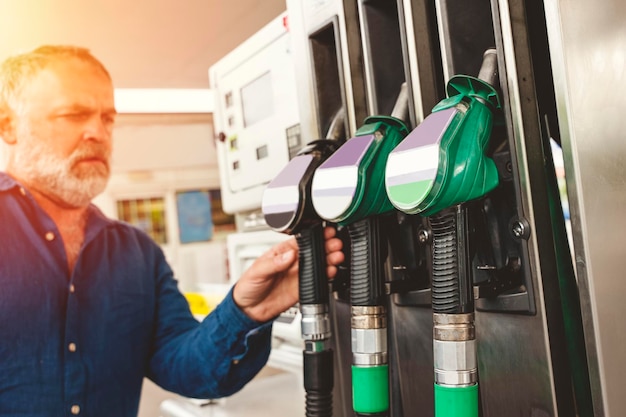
{"x":6,"y":182}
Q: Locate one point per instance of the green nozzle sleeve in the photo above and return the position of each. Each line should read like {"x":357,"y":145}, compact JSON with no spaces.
{"x":456,"y":401}
{"x":370,"y":389}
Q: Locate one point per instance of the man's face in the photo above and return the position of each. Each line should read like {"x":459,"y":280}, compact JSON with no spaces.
{"x":63,"y":129}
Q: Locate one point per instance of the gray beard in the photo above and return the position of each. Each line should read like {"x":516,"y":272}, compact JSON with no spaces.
{"x":61,"y":178}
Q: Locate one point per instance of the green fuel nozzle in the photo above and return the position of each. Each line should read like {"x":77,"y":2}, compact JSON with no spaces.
{"x":349,"y":189}
{"x":438,"y":167}
{"x":287,"y":208}
{"x":442,"y":162}
{"x":350,"y":185}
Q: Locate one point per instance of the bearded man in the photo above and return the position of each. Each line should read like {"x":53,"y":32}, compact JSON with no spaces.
{"x":89,"y":305}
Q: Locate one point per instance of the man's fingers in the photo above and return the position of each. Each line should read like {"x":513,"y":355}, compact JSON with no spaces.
{"x":335,"y":258}
{"x":334,"y":245}
{"x":274,"y":262}
{"x":331,"y":271}
{"x":334,"y":255}
{"x":278,"y":259}
{"x":329,"y":232}
{"x":282,"y":260}
{"x":285,"y":246}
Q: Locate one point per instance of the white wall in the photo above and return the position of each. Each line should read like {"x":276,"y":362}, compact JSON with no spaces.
{"x":161,"y":141}
{"x":156,"y":156}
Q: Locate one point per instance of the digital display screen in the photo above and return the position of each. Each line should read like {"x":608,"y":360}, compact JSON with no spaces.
{"x":256,"y":100}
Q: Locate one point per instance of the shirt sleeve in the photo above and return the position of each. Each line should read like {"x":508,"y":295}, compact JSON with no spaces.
{"x":209,"y":359}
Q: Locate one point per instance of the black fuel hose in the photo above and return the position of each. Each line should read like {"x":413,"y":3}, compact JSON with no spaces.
{"x":317,"y":364}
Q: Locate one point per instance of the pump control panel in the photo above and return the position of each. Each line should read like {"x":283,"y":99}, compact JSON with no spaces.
{"x":256,"y":115}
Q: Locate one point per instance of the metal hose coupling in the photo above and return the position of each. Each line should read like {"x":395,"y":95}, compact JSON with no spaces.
{"x":370,"y":371}
{"x":454,"y":338}
{"x":315,"y":322}
{"x":369,"y":335}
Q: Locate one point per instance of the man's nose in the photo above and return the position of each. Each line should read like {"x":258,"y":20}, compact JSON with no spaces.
{"x":98,"y":129}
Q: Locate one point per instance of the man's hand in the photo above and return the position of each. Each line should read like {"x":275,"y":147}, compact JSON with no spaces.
{"x":270,"y":285}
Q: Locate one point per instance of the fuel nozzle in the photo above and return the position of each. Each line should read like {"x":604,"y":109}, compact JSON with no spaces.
{"x":438,"y":167}
{"x":442,"y":162}
{"x":349,"y":186}
{"x":287,"y":207}
{"x":348,"y":189}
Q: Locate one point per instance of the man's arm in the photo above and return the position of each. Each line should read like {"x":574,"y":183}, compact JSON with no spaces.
{"x":220,"y":355}
{"x":211,"y":359}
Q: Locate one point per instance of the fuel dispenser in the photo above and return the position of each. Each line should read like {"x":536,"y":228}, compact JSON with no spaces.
{"x":348,"y":189}
{"x":287,"y":208}
{"x":504,"y":288}
{"x":397,"y":37}
{"x":329,"y":71}
{"x":506,"y":310}
{"x":438,"y":167}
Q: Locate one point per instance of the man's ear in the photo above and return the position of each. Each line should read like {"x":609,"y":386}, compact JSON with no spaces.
{"x":7,"y":128}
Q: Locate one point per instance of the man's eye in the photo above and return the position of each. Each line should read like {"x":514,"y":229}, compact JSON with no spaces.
{"x":108,"y":119}
{"x":76,"y":116}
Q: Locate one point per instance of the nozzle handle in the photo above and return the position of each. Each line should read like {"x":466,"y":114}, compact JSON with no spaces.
{"x":452,"y":291}
{"x":369,"y":251}
{"x":312,"y":265}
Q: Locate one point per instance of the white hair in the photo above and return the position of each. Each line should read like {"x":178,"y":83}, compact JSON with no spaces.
{"x":18,"y":70}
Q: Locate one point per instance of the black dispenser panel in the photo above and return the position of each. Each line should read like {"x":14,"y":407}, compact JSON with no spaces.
{"x":383,"y":46}
{"x":327,"y":73}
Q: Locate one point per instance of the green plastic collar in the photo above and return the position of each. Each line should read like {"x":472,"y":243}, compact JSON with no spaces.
{"x":456,"y":401}
{"x":370,"y":389}
{"x":465,"y":85}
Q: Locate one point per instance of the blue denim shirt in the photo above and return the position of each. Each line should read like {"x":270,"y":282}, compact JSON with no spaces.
{"x":82,"y":343}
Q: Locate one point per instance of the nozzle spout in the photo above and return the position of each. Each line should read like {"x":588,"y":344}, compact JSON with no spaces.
{"x":401,"y":107}
{"x":489,"y":68}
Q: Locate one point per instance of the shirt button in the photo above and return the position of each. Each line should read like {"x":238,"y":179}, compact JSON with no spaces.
{"x":72,"y":347}
{"x":72,"y":289}
{"x":49,"y":236}
{"x":75,"y":409}
{"x":22,"y":191}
